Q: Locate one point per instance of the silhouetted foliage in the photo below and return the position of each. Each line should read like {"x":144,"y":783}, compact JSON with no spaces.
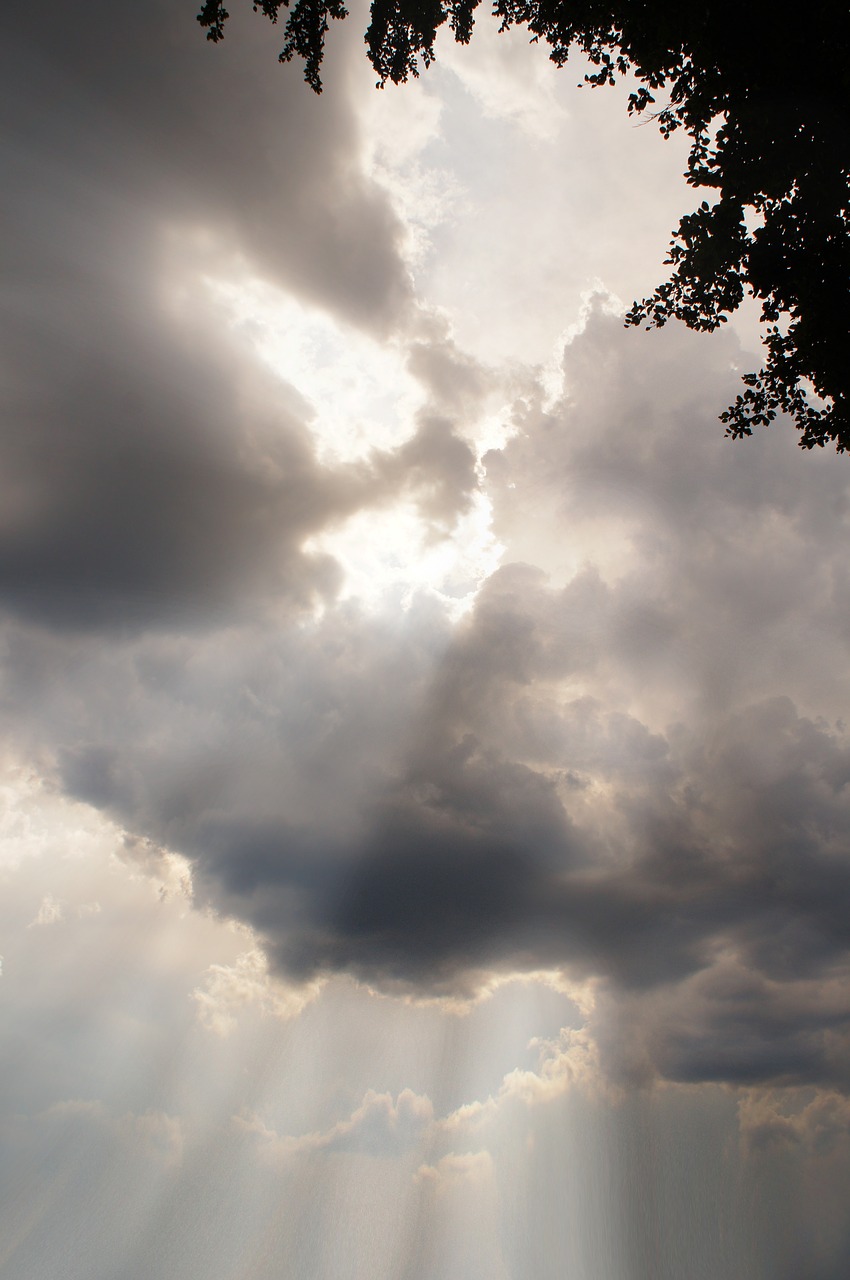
{"x":765,"y":105}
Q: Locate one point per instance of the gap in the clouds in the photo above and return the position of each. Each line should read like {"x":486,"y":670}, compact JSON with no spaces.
{"x":389,"y":557}
{"x":552,"y":189}
{"x":358,"y":394}
{"x":359,"y":400}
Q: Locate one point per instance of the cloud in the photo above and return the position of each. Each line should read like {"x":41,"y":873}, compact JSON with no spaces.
{"x":50,"y":912}
{"x":153,"y":1135}
{"x":151,"y":471}
{"x":158,"y":476}
{"x":418,"y":804}
{"x":228,"y":988}
{"x":566,"y":1063}
{"x":793,"y":1118}
{"x":256,"y":163}
{"x":526,"y":94}
{"x":380,"y":1126}
{"x":453,"y":1170}
{"x":627,"y":758}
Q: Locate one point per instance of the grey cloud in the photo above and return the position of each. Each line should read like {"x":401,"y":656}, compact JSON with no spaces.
{"x":733,"y":1024}
{"x":448,"y":855}
{"x":156,"y":472}
{"x":731,"y":583}
{"x":143,"y":484}
{"x":535,"y":819}
{"x":152,"y":472}
{"x":122,"y":116}
{"x":791,"y":1117}
{"x":623,"y":767}
{"x":456,"y":382}
{"x":437,"y":465}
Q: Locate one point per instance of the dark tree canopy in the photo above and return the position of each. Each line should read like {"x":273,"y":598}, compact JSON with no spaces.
{"x":765,"y":104}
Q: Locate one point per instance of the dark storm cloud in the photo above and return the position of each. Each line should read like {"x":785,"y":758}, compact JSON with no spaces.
{"x":477,"y":863}
{"x":707,"y":886}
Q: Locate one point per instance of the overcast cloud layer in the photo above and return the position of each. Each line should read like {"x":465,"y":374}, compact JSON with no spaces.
{"x":626,"y":759}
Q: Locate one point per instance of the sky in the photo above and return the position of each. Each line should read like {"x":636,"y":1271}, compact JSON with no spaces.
{"x":426,"y":775}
